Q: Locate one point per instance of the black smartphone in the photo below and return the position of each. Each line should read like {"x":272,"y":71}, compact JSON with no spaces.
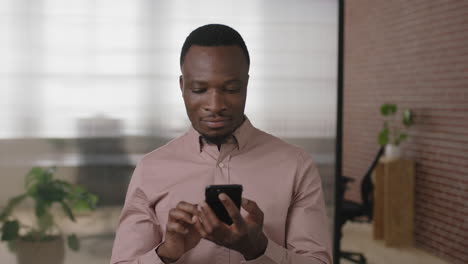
{"x":234,"y":191}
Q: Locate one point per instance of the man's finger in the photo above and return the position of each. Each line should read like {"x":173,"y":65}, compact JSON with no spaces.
{"x":252,"y":208}
{"x":210,"y":217}
{"x":181,"y":216}
{"x":204,"y":222}
{"x":231,"y":208}
{"x":176,"y":227}
{"x":249,"y":205}
{"x":187,"y":207}
{"x":199,"y":226}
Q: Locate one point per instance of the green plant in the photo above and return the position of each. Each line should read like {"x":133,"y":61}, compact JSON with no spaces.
{"x":45,"y":191}
{"x":391,"y":133}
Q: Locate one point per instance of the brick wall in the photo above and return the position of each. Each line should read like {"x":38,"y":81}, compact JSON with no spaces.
{"x":413,"y":53}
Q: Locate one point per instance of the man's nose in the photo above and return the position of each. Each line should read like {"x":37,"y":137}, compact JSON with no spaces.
{"x":215,"y":102}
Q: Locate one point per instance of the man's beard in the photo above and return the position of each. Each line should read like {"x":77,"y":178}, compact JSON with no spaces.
{"x":216,"y":140}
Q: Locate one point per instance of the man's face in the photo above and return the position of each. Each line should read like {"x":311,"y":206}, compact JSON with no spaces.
{"x":214,"y":86}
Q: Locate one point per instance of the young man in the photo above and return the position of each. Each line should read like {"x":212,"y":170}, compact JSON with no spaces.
{"x":165,"y":220}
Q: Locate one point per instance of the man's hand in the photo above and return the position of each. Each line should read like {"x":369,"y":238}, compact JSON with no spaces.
{"x":245,"y":235}
{"x":181,"y":234}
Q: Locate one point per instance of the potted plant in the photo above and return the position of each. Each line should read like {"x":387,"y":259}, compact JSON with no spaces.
{"x":43,"y":241}
{"x":392,"y":133}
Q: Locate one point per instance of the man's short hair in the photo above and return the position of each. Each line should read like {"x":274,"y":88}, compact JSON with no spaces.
{"x":214,"y":35}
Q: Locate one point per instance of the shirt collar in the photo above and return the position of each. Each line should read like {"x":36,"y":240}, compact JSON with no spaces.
{"x":240,"y":136}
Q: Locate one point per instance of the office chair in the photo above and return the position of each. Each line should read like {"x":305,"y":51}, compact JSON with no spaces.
{"x":352,"y":211}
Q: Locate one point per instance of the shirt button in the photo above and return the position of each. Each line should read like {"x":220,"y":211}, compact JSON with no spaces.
{"x":221,"y":165}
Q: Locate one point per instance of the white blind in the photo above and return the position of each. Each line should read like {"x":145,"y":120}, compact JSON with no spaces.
{"x":66,"y":62}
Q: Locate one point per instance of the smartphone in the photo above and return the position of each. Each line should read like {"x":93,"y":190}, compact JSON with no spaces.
{"x":234,"y":191}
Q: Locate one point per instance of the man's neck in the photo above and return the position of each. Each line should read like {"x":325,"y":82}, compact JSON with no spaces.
{"x":218,"y":141}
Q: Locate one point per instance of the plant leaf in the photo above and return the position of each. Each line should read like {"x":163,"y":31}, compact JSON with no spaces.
{"x":39,"y":176}
{"x":407,"y":117}
{"x":68,"y":211}
{"x":67,"y":187}
{"x":403,"y":137}
{"x":73,"y":242}
{"x":10,"y":230}
{"x":51,"y":192}
{"x":383,"y":137}
{"x":32,"y":176}
{"x":91,"y":200}
{"x":81,"y":200}
{"x":40,"y":208}
{"x":388,"y":109}
{"x":81,"y":206}
{"x":46,"y":175}
{"x":12,"y":203}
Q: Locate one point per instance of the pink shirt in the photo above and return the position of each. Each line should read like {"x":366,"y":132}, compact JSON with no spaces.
{"x":282,"y":179}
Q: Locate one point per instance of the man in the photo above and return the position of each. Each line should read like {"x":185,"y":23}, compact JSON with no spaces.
{"x":165,"y":220}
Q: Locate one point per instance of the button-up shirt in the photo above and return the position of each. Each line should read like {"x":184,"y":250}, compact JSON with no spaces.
{"x":282,"y":179}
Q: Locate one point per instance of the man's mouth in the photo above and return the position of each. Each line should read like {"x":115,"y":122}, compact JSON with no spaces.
{"x":216,"y":122}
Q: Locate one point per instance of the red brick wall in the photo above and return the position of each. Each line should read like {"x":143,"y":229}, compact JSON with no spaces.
{"x":413,"y":53}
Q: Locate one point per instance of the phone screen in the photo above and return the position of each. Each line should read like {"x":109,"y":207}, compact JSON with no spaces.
{"x":234,"y":191}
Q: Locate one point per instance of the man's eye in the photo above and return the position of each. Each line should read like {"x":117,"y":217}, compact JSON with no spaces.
{"x":198,"y":90}
{"x":232,"y":89}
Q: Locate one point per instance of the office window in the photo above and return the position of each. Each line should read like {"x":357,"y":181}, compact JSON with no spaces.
{"x":63,"y":61}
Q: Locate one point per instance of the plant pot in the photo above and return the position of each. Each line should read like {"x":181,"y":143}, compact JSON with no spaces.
{"x":44,"y":252}
{"x":392,"y":152}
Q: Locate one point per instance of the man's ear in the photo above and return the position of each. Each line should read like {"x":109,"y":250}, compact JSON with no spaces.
{"x":181,"y":83}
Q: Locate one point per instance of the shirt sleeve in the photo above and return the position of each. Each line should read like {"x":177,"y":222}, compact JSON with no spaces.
{"x":139,"y":232}
{"x":307,"y":228}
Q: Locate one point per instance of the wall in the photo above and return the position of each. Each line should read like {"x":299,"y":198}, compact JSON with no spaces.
{"x":415,"y":54}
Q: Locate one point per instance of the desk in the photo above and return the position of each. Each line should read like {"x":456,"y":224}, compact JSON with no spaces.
{"x":394,"y":202}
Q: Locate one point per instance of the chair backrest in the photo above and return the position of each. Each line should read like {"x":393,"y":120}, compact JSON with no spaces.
{"x":367,"y":187}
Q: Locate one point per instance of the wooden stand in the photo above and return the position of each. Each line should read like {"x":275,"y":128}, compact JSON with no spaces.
{"x":394,"y":202}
